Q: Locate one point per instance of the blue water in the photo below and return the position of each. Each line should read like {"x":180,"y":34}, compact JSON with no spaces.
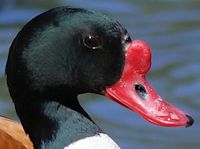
{"x":171,"y":28}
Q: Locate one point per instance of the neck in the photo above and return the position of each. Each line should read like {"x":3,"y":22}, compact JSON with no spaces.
{"x":53,"y":124}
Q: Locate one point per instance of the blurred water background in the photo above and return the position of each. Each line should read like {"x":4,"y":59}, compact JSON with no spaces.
{"x":171,"y":28}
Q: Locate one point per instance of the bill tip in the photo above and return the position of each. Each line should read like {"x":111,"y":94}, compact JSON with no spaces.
{"x":190,"y":121}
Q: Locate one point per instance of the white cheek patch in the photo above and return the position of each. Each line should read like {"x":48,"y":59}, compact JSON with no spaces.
{"x":100,"y":141}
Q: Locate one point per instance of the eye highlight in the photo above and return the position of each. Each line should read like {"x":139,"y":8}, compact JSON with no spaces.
{"x":92,"y":42}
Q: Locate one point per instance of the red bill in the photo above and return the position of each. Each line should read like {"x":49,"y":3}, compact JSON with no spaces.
{"x":134,"y":92}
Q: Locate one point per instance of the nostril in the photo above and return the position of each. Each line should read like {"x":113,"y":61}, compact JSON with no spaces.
{"x":141,"y":91}
{"x":190,"y":120}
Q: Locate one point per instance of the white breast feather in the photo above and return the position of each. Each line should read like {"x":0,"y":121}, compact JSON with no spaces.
{"x":100,"y":141}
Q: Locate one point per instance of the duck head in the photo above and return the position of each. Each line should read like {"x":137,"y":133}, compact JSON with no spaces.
{"x":68,"y":51}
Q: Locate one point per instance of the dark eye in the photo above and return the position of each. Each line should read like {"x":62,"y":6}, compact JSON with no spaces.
{"x":92,"y":42}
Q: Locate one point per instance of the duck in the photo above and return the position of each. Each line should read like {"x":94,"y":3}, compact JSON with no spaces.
{"x":68,"y":51}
